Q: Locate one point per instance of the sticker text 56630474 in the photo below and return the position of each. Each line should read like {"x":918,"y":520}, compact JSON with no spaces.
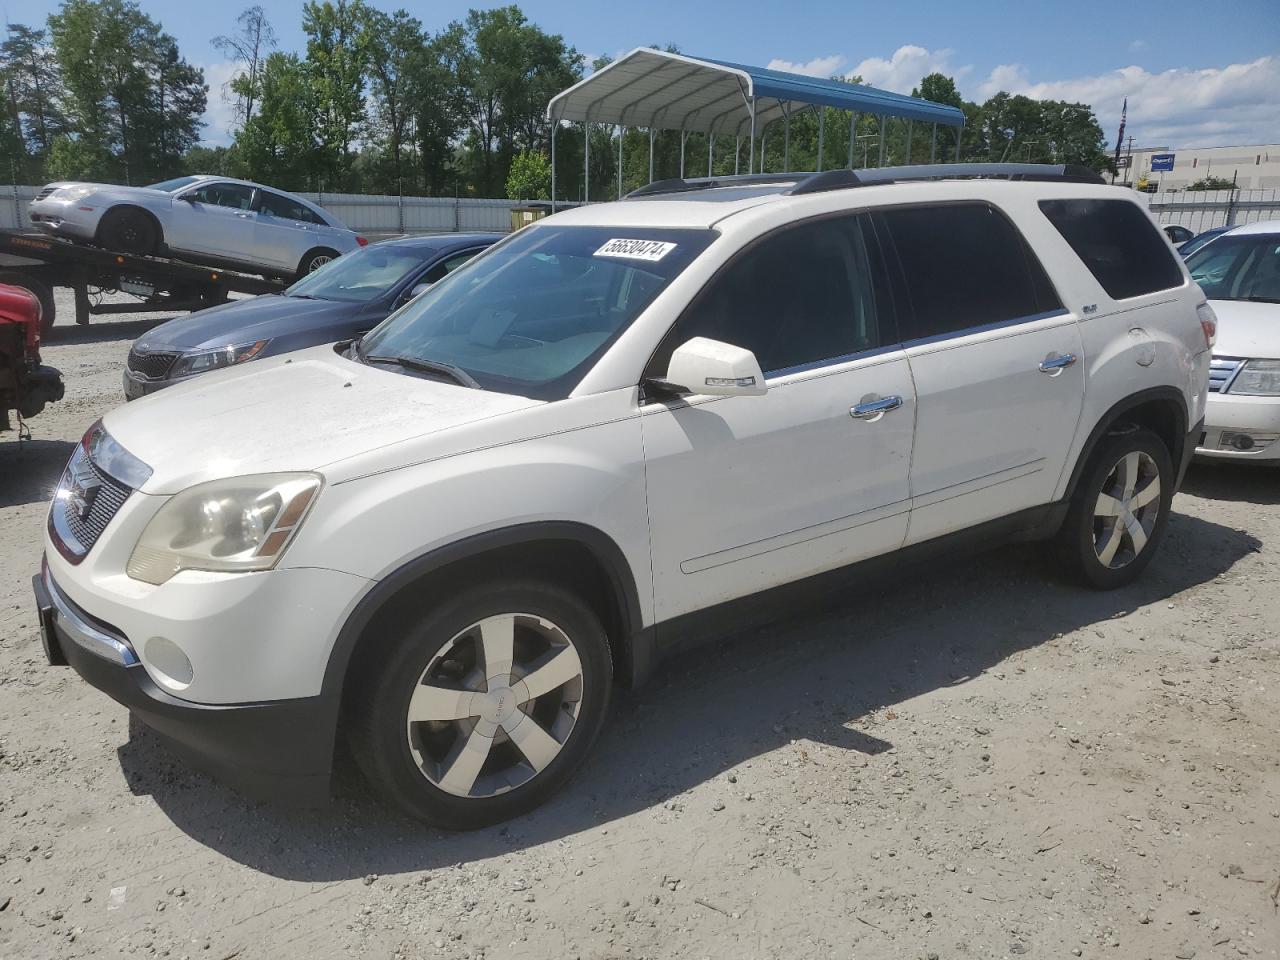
{"x":636,"y":249}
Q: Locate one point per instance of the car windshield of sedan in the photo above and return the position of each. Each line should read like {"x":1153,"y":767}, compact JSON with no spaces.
{"x":169,"y":186}
{"x":360,"y":276}
{"x":1243,"y":267}
{"x":532,"y":314}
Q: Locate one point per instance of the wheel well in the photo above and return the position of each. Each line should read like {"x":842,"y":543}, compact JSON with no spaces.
{"x":1161,"y":412}
{"x":568,"y":563}
{"x":121,"y":207}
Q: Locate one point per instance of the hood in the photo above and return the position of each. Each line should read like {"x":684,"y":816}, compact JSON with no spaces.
{"x":302,"y":411}
{"x":245,"y":321}
{"x":1247,"y":329}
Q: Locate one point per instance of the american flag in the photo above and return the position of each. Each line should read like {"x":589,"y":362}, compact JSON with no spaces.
{"x":1124,"y":113}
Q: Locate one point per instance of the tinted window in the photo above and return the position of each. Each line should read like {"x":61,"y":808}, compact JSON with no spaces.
{"x":235,"y":195}
{"x":800,"y":296}
{"x":1239,"y":267}
{"x":1119,"y":244}
{"x":964,"y":266}
{"x":285,"y":209}
{"x":360,"y":276}
{"x":168,"y":186}
{"x":440,"y":270}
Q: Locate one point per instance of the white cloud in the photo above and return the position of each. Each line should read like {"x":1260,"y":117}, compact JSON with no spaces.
{"x":1217,"y":106}
{"x":817,"y":67}
{"x":902,"y":71}
{"x":1137,"y":46}
{"x":220,"y":114}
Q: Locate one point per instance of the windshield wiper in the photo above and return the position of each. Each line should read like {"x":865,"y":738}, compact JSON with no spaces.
{"x":417,"y":364}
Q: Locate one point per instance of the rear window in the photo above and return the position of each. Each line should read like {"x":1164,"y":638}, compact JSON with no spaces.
{"x":1119,"y":244}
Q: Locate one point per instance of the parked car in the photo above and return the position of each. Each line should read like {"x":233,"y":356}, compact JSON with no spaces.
{"x":617,"y":430}
{"x":26,"y":385}
{"x":343,"y":299}
{"x":213,"y":220}
{"x":1177,"y":234}
{"x":1200,"y":239}
{"x":1240,"y":274}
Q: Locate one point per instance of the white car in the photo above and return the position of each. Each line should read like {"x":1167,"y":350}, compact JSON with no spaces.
{"x":1240,"y":274}
{"x":210,"y":220}
{"x":615,"y":430}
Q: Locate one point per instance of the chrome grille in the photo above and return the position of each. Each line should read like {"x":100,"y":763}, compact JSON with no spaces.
{"x":153,"y":366}
{"x":86,"y":501}
{"x":1222,"y":371}
{"x":44,"y":193}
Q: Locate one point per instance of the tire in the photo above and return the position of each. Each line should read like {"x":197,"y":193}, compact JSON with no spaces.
{"x":314,"y":260}
{"x":42,"y":291}
{"x":129,"y":230}
{"x":464,"y":772}
{"x":1099,"y":547}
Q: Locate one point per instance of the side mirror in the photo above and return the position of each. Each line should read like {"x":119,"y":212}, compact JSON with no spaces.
{"x":714,"y":368}
{"x":189,"y":197}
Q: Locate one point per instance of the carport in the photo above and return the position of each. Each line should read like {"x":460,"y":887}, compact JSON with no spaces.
{"x":656,"y":90}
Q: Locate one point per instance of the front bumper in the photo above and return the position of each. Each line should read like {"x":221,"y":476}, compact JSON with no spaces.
{"x":64,"y":219}
{"x":280,"y":750}
{"x":136,"y":386}
{"x":1230,"y":418}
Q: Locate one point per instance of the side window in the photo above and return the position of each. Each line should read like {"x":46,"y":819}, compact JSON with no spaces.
{"x":797,"y":297}
{"x":1119,"y":244}
{"x":234,"y":195}
{"x":964,"y":265}
{"x":284,"y":208}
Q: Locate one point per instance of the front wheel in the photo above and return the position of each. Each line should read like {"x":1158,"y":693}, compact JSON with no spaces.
{"x":482,"y":708}
{"x":129,"y":230}
{"x":1119,"y":510}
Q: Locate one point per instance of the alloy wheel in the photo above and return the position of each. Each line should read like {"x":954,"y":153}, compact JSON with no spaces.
{"x":495,"y":706}
{"x":1126,"y":510}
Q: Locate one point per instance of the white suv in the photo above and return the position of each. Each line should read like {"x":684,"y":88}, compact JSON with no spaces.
{"x":601,"y":437}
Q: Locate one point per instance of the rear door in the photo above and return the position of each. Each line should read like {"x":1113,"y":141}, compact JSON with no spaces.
{"x":750,"y":492}
{"x":284,"y":231}
{"x":996,"y":360}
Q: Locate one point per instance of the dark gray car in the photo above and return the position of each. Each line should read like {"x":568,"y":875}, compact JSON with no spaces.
{"x":338,"y":301}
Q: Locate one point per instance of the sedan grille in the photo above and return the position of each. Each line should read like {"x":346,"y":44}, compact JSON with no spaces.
{"x":44,"y":193}
{"x":153,"y":366}
{"x":1222,"y":371}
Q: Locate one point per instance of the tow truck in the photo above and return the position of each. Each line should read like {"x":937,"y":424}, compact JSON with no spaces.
{"x":38,"y":263}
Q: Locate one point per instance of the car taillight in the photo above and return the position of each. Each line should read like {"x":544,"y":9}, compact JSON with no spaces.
{"x":363,"y":241}
{"x":1208,"y":323}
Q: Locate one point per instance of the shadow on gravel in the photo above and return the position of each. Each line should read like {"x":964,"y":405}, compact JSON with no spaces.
{"x":1242,"y":482}
{"x":29,"y":470}
{"x":713,"y":708}
{"x":102,"y":331}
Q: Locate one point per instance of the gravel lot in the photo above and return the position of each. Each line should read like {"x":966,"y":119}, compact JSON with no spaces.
{"x":982,"y":762}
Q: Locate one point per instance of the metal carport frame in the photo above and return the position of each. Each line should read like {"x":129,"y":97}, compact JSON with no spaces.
{"x":656,"y":90}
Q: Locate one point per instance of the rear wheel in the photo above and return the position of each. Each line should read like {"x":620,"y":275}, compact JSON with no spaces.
{"x":315,"y":260}
{"x":483,"y":707}
{"x":42,"y":292}
{"x":1119,"y":510}
{"x":129,"y":230}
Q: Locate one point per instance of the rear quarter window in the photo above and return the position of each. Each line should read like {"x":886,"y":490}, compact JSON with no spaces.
{"x":1119,"y":244}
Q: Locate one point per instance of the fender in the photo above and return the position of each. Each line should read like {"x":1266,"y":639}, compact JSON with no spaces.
{"x":600,"y":545}
{"x":1108,"y":419}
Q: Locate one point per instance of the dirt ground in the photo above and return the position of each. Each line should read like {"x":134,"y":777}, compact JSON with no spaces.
{"x":982,"y":762}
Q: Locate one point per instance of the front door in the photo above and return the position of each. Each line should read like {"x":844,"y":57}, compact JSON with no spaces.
{"x":997,"y":363}
{"x":746,"y":493}
{"x":215,"y":219}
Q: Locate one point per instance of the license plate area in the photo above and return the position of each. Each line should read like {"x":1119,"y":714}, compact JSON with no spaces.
{"x":137,"y":288}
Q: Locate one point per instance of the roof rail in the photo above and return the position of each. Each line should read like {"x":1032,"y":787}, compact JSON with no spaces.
{"x":843,"y":179}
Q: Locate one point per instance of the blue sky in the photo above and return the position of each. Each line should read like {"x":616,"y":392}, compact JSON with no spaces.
{"x":1195,"y":73}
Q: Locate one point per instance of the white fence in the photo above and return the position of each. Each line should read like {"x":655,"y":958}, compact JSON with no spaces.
{"x":363,"y":213}
{"x":1204,"y":210}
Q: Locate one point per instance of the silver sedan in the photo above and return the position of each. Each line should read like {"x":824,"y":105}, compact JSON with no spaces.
{"x":213,"y":220}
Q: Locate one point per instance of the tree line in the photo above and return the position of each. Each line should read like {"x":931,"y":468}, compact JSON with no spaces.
{"x":377,"y":103}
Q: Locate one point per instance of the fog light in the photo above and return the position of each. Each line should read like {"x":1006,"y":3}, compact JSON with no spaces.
{"x":1242,"y":441}
{"x":167,"y":659}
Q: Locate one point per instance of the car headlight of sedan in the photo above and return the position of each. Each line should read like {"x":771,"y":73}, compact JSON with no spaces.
{"x":1258,"y":378}
{"x":74,"y":193}
{"x":235,"y":525}
{"x":207,"y":360}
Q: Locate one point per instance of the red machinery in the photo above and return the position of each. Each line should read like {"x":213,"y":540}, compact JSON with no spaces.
{"x":25,"y":384}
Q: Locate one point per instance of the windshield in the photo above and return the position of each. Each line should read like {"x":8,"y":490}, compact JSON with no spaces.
{"x":532,"y":314}
{"x":168,"y":186}
{"x":1239,"y":267}
{"x":361,"y":275}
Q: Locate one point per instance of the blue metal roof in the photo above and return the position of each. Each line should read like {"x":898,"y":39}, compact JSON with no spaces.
{"x":672,"y":91}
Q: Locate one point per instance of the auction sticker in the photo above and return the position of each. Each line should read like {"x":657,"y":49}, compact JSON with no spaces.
{"x":651,"y":250}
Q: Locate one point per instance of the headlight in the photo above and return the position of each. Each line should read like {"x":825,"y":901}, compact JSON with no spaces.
{"x":74,"y":193}
{"x":1258,"y":378}
{"x":216,"y":359}
{"x":236,"y":525}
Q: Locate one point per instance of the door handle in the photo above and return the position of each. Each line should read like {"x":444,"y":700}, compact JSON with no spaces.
{"x":872,"y":410}
{"x":244,"y":216}
{"x":1054,"y":364}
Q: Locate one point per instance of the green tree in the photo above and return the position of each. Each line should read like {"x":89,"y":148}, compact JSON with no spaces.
{"x":277,"y":144}
{"x":395,"y":46}
{"x":439,"y":104}
{"x":530,"y":176}
{"x":336,"y":61}
{"x":248,"y":46}
{"x":33,"y":86}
